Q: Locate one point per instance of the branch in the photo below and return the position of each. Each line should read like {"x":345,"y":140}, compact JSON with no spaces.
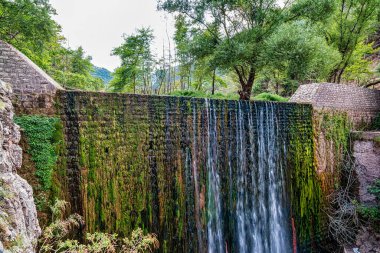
{"x":372,"y":83}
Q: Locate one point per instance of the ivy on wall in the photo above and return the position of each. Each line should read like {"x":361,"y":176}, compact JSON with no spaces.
{"x":42,"y":137}
{"x":337,"y":128}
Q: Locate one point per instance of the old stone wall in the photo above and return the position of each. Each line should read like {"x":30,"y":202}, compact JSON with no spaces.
{"x":33,"y":89}
{"x":366,"y":151}
{"x":361,"y":105}
{"x":19,"y":227}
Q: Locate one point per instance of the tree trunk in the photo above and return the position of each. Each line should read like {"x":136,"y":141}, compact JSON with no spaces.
{"x":213,"y":82}
{"x":246,"y":82}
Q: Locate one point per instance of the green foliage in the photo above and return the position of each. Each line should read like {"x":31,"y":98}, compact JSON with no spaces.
{"x":137,"y":62}
{"x":73,"y":69}
{"x":56,"y":237}
{"x":336,"y":128}
{"x":297,"y":52}
{"x":40,"y":132}
{"x":270,"y":97}
{"x":77,"y":81}
{"x":376,"y":123}
{"x":372,"y":212}
{"x":231,"y":35}
{"x":359,"y":70}
{"x":103,"y":74}
{"x":375,"y":189}
{"x":347,"y":31}
{"x":28,"y":25}
{"x":200,"y":94}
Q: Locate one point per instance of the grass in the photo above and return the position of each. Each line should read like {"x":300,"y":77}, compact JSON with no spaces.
{"x":201,"y":94}
{"x":269,"y":97}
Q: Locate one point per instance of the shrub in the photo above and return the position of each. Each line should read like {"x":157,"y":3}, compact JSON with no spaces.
{"x":201,"y":94}
{"x":371,"y":213}
{"x":56,"y":237}
{"x":270,"y":97}
{"x":376,"y":123}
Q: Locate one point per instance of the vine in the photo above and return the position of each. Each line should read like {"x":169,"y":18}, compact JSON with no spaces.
{"x":337,"y":129}
{"x":42,"y":138}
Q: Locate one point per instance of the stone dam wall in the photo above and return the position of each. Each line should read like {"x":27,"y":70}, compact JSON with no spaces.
{"x":188,"y":169}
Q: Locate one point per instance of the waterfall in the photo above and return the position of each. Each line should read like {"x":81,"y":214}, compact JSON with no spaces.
{"x":256,"y":176}
{"x":214,"y":205}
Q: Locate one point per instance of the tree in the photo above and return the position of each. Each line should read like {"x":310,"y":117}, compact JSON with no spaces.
{"x":81,"y":64}
{"x":137,"y":62}
{"x":350,"y":26}
{"x":297,"y":53}
{"x":73,"y":69}
{"x":240,"y":28}
{"x":184,"y":58}
{"x":27,"y":24}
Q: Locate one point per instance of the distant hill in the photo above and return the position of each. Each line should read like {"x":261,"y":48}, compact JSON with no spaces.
{"x":103,"y":74}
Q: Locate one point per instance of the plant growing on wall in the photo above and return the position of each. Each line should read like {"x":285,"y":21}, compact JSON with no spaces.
{"x":40,"y":132}
{"x":372,"y":213}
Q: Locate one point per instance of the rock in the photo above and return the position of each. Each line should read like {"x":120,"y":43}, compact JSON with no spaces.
{"x":367,"y":241}
{"x":19,"y":228}
{"x":367,"y":160}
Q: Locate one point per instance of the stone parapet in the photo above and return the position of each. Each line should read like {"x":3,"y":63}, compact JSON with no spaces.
{"x":33,"y":89}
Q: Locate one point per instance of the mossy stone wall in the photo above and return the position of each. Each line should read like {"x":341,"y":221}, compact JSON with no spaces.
{"x":130,"y":161}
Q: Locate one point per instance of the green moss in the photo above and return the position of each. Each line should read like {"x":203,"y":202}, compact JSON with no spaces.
{"x":306,"y":193}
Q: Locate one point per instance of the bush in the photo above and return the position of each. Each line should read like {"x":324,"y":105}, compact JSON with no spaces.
{"x":270,"y":97}
{"x":201,"y":94}
{"x":376,"y":123}
{"x":372,"y":213}
{"x":56,"y":237}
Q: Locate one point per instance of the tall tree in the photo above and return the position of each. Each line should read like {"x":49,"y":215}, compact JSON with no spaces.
{"x":137,"y":62}
{"x":184,"y":59}
{"x":27,"y":24}
{"x":297,"y":53}
{"x":352,"y":23}
{"x":241,"y":27}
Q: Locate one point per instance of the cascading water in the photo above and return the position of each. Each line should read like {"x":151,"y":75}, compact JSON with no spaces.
{"x":214,"y":206}
{"x":261,"y":223}
{"x":212,"y":176}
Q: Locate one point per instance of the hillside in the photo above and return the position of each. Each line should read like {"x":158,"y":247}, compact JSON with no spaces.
{"x":103,"y":74}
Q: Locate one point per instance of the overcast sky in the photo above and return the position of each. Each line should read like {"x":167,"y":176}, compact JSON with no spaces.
{"x":98,"y":25}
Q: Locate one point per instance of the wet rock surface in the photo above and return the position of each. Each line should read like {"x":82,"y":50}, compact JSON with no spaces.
{"x":19,"y":228}
{"x":367,"y":163}
{"x":368,"y":241}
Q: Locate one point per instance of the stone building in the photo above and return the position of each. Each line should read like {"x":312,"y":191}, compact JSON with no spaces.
{"x":33,"y":89}
{"x":362,"y":105}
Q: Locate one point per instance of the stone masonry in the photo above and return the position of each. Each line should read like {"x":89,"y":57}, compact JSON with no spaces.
{"x":361,"y":104}
{"x":33,"y":89}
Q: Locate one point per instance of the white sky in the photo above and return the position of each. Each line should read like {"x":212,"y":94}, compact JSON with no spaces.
{"x":98,"y":25}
